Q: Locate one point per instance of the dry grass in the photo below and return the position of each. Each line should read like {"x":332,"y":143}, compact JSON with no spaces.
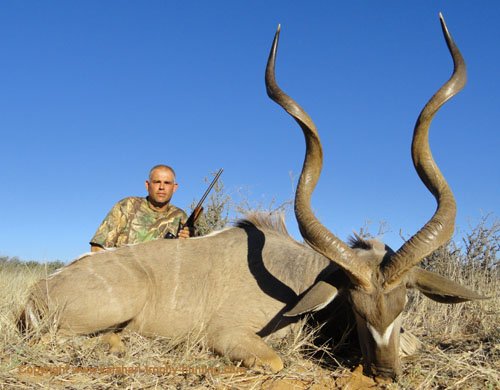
{"x":461,"y":342}
{"x":461,"y":348}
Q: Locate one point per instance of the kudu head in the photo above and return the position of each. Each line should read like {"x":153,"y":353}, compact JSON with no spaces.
{"x":374,"y":277}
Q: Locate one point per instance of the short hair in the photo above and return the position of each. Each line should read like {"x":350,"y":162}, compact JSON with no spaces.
{"x":163,"y":166}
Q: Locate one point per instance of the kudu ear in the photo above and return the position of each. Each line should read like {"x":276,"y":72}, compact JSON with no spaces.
{"x":318,"y":297}
{"x":439,"y":288}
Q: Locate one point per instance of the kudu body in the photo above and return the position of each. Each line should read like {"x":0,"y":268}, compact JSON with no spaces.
{"x":253,"y":280}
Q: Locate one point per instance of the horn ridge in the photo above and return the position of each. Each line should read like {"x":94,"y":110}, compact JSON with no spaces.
{"x":311,"y":229}
{"x":439,"y":229}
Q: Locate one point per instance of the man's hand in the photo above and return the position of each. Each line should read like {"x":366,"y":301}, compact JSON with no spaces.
{"x":184,"y":233}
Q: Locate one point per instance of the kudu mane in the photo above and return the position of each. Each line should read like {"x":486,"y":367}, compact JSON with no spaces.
{"x":270,"y":221}
{"x":274,"y":222}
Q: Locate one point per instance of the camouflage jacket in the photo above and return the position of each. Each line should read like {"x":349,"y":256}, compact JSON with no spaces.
{"x":132,"y":220}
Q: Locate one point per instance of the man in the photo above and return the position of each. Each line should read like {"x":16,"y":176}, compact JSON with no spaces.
{"x":136,"y":219}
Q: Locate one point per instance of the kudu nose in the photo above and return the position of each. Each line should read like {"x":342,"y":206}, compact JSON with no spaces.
{"x":384,"y":373}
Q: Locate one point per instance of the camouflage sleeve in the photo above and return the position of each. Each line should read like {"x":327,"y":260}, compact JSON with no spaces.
{"x":107,"y":233}
{"x":171,"y":224}
{"x":183,"y":216}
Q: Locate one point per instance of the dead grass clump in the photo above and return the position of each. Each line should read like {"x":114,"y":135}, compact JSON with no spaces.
{"x":461,"y":342}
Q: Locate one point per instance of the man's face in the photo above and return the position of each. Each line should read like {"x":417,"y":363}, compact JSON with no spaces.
{"x":161,"y":186}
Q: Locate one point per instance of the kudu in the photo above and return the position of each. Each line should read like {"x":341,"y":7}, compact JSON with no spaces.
{"x":253,"y":280}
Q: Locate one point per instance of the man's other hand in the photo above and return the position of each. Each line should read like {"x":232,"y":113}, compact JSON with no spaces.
{"x":184,"y":233}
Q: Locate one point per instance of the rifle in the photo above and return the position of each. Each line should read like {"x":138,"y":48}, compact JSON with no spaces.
{"x":197,"y":210}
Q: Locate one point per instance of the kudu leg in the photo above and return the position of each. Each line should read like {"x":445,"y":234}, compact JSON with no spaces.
{"x":116,"y":345}
{"x":245,"y":346}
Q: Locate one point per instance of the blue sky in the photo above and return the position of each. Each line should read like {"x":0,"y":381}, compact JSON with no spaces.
{"x":94,"y":93}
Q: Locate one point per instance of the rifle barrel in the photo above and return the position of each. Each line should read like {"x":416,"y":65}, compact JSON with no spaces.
{"x":209,"y":188}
